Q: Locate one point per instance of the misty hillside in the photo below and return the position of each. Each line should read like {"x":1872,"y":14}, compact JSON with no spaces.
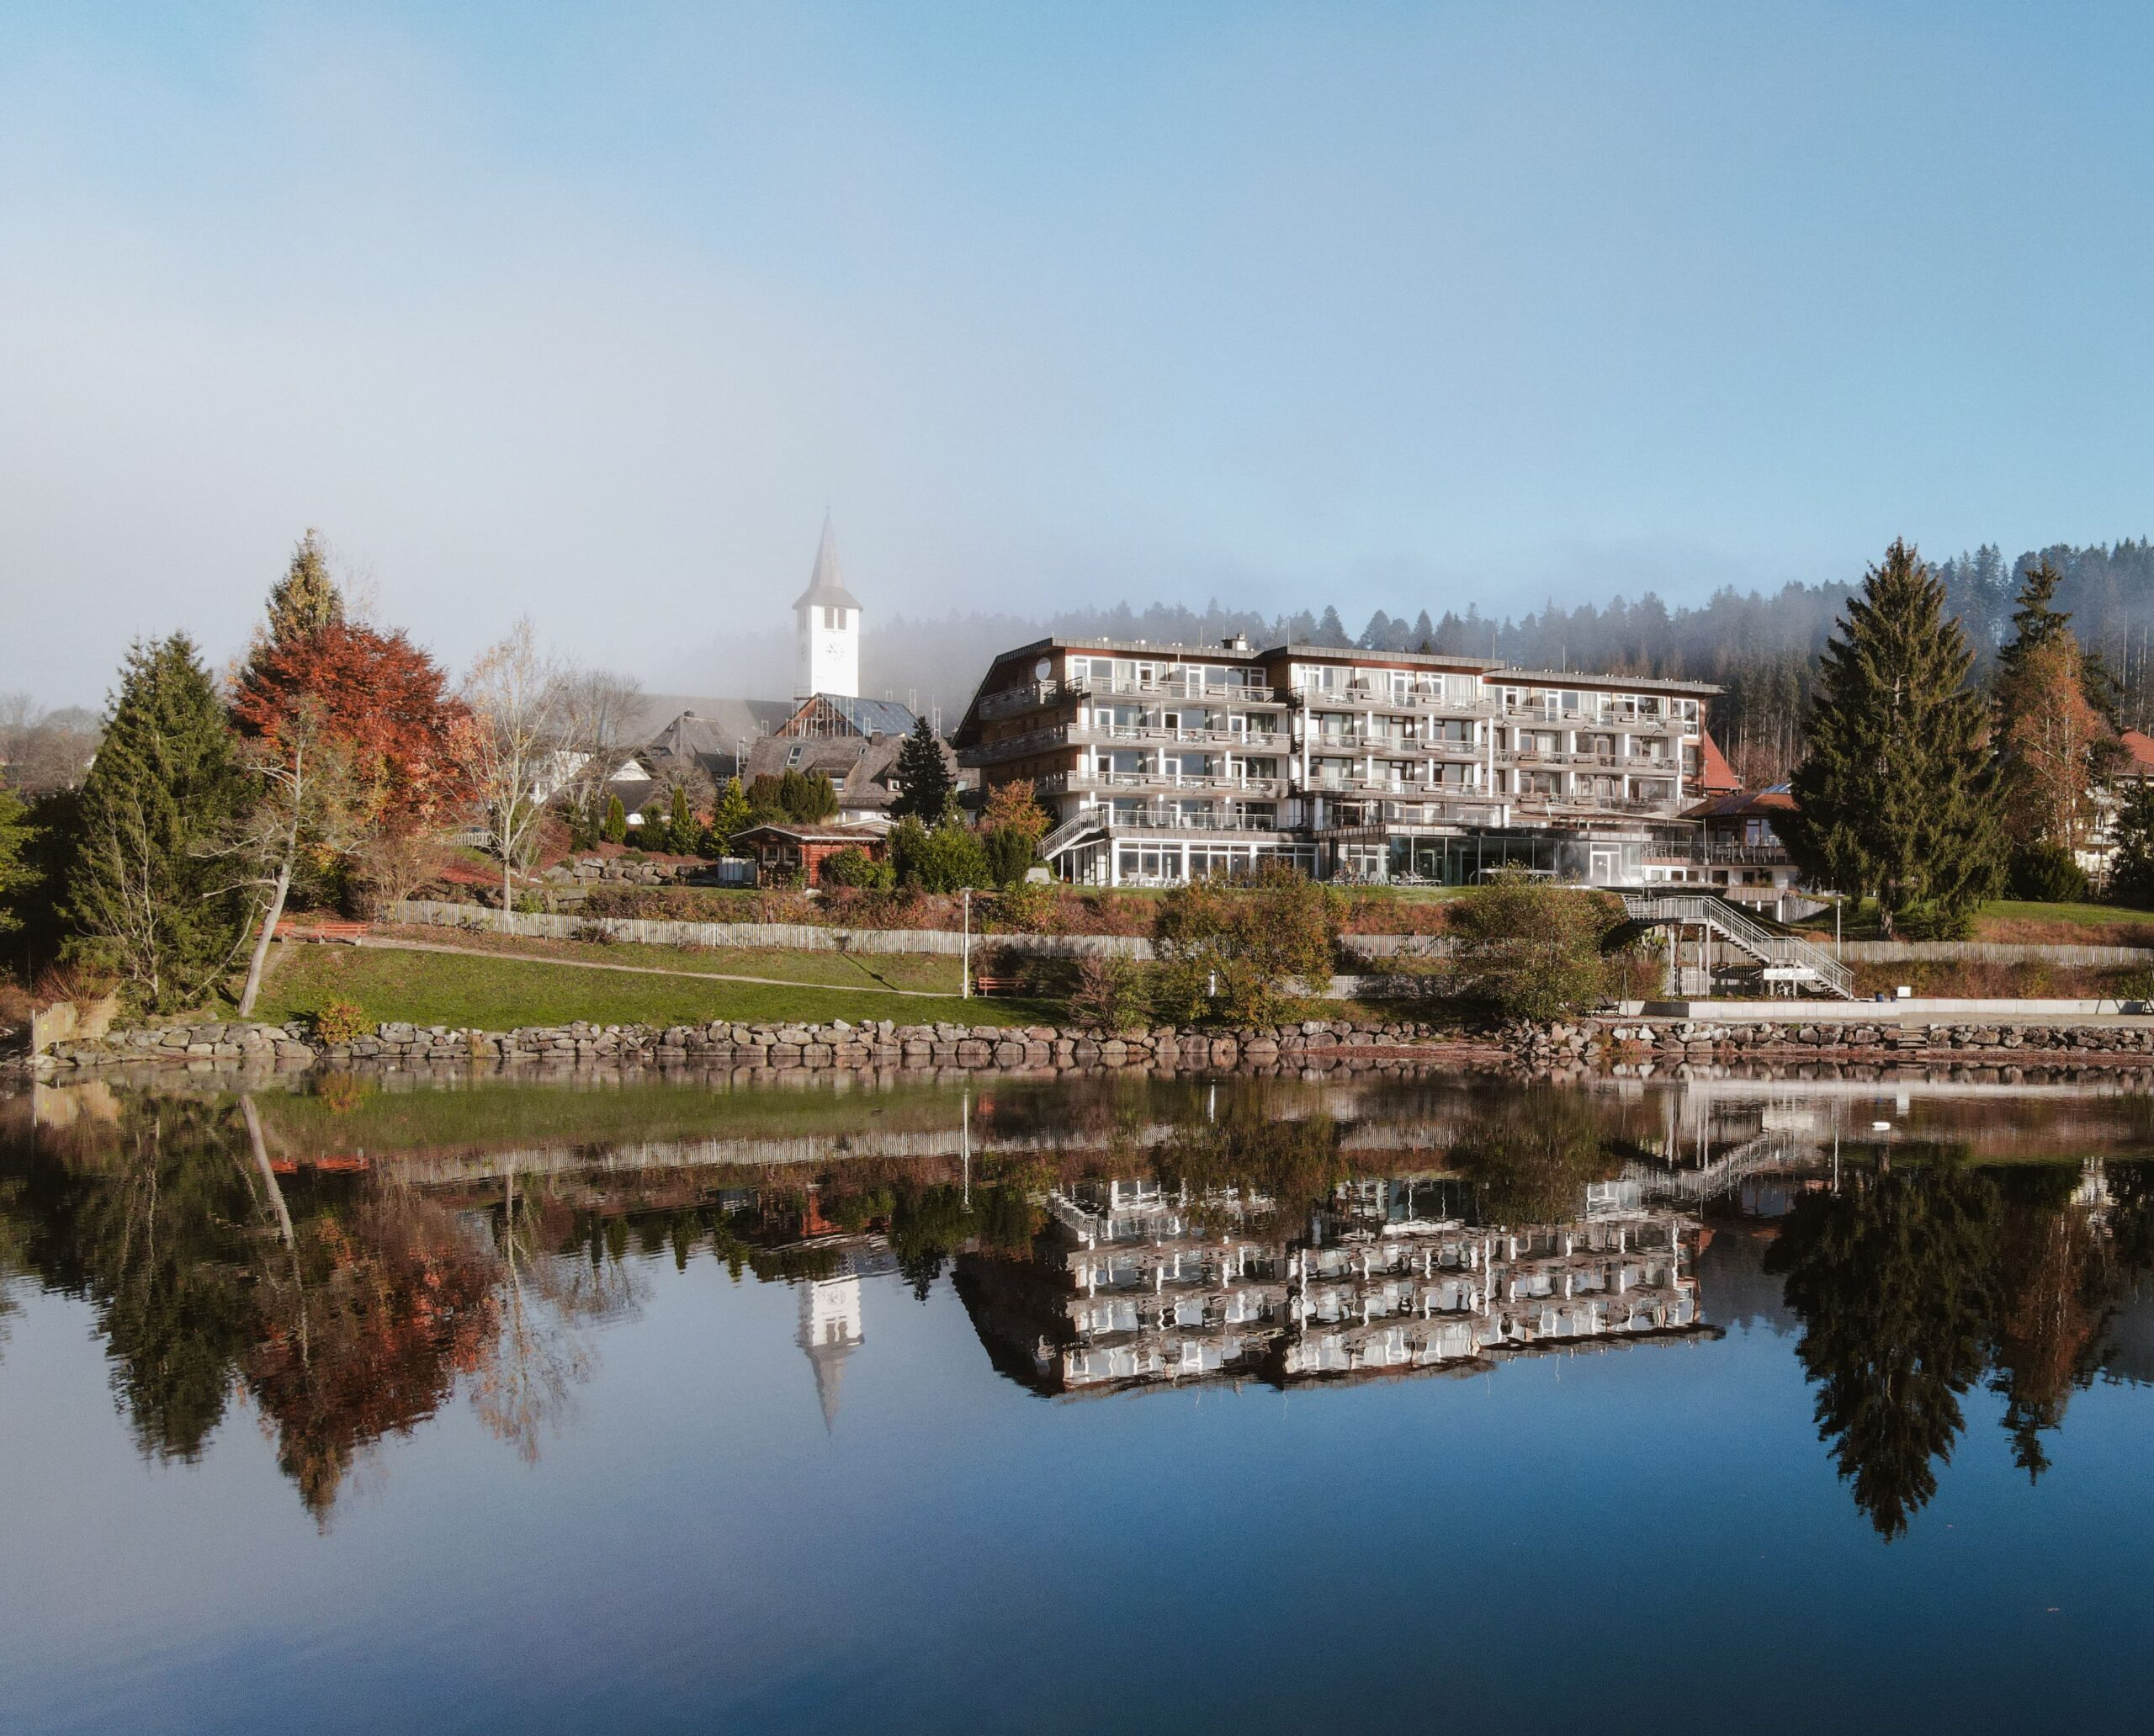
{"x":1761,"y":648}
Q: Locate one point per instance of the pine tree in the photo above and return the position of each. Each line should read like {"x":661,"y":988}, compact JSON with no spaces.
{"x":926,"y":782}
{"x":1897,"y":797}
{"x":146,"y":896}
{"x":2055,"y":732}
{"x":16,"y":874}
{"x":732,"y":815}
{"x":306,"y":599}
{"x":615,"y":827}
{"x":681,"y":821}
{"x":2131,"y":870}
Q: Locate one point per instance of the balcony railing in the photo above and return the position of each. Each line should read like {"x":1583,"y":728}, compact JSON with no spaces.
{"x":1032,"y":695}
{"x":1201,"y":820}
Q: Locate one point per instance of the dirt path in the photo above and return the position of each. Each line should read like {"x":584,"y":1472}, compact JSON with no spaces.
{"x":709,"y":976}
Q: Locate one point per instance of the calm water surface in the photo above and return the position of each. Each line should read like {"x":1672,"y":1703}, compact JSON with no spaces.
{"x":1134,"y":1405}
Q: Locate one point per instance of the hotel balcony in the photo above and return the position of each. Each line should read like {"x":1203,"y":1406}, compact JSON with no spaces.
{"x":1262,"y":744}
{"x":1263,"y":789}
{"x":1035,"y":695}
{"x":1360,"y":698}
{"x":1636,"y":765}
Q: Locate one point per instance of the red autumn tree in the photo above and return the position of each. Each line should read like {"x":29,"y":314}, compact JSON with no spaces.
{"x":383,"y":701}
{"x":355,"y":741}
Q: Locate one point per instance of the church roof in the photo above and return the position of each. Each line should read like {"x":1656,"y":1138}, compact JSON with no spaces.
{"x":826,"y":589}
{"x":872,"y":717}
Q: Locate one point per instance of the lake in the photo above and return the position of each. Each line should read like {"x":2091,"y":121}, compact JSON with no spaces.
{"x":406,"y":1403}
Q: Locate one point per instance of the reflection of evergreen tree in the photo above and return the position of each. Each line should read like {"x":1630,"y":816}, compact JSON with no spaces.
{"x":928,"y":1225}
{"x":152,"y":1231}
{"x":1891,"y":1278}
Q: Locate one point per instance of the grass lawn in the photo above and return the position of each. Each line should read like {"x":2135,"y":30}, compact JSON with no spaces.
{"x":2009,"y":921}
{"x":503,"y":993}
{"x":2007,"y":913}
{"x":929,"y":972}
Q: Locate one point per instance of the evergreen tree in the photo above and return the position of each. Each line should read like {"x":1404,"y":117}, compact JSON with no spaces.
{"x":1897,"y":795}
{"x":16,"y":873}
{"x":2131,"y":870}
{"x":731,"y":816}
{"x":926,"y":782}
{"x":615,"y":828}
{"x":306,"y":600}
{"x":146,"y":896}
{"x":2034,"y":624}
{"x":681,"y":831}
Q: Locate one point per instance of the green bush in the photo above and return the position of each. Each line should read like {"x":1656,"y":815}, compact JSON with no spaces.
{"x":2043,"y":873}
{"x":1531,"y":950}
{"x":947,"y":858}
{"x":1934,"y":921}
{"x":614,"y":829}
{"x":853,"y":866}
{"x":1009,"y":852}
{"x":1226,"y":949}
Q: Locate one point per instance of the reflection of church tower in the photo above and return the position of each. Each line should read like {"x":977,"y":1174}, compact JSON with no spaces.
{"x":829,"y":1328}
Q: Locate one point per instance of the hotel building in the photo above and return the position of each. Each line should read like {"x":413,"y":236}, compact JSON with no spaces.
{"x":1163,"y":763}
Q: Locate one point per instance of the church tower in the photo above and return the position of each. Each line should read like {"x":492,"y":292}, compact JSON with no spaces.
{"x":829,"y":616}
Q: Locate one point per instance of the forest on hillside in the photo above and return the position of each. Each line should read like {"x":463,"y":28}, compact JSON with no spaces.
{"x":1762,"y":648}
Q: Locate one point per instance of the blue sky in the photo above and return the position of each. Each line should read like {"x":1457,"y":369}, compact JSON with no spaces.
{"x":593,"y":310}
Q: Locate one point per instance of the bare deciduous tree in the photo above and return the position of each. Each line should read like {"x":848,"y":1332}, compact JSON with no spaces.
{"x":308,"y":801}
{"x":517,"y":745}
{"x":598,"y":716}
{"x":42,"y":750}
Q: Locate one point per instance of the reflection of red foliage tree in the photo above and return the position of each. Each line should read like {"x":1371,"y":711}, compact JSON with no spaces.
{"x":2055,"y":1280}
{"x":366,"y":1327}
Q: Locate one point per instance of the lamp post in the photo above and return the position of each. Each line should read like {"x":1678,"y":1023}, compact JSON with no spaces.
{"x":965,"y":982}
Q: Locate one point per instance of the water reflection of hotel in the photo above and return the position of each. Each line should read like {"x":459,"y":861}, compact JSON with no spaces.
{"x":1133,"y":1284}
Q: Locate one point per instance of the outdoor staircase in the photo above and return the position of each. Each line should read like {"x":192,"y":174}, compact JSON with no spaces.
{"x":1747,"y":934}
{"x":1079,"y":826}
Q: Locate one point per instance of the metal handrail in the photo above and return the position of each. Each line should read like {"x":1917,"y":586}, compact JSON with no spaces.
{"x":1745,"y":932}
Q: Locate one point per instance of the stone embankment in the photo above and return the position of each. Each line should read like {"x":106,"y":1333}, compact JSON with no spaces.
{"x":838,"y":1045}
{"x":2116,"y":1041}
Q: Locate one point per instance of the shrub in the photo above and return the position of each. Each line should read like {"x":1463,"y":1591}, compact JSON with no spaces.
{"x":1009,"y":853}
{"x":1529,"y":950}
{"x":946,"y":859}
{"x":1029,"y":907}
{"x":1226,"y":950}
{"x":1110,"y":992}
{"x":1934,"y":921}
{"x":338,"y":1022}
{"x":614,"y":829}
{"x":853,"y":866}
{"x":2043,"y":873}
{"x":593,"y":933}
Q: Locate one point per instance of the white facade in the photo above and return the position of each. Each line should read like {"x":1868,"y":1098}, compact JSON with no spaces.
{"x":827,"y":620}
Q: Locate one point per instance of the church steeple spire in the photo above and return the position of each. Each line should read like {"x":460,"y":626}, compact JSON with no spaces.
{"x":829,"y":616}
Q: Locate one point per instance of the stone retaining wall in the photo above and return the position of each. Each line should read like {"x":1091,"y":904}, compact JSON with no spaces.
{"x":2119,"y":1040}
{"x":838,"y":1044}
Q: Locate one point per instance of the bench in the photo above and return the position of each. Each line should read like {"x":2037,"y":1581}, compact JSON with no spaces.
{"x":996,"y":984}
{"x":319,"y":929}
